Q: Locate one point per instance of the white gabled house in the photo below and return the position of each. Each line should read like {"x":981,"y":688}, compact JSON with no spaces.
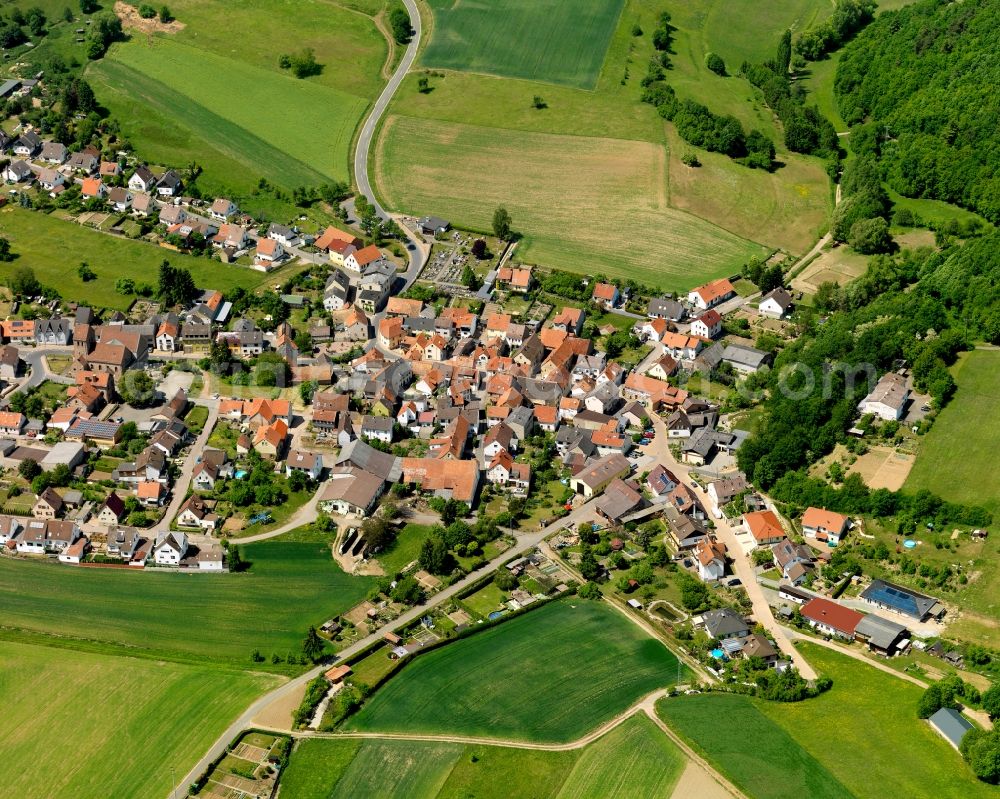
{"x":170,"y":549}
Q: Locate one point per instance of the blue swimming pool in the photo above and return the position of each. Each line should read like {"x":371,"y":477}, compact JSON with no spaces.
{"x":496,"y":614}
{"x":241,"y":473}
{"x":718,"y":654}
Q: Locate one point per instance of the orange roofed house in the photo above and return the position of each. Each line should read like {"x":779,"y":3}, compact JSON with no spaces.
{"x":824,"y":525}
{"x":605,"y":294}
{"x":711,"y":294}
{"x":514,"y":279}
{"x":764,"y":526}
{"x":451,"y":479}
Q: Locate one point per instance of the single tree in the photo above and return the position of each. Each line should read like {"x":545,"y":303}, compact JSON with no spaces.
{"x":502,"y":223}
{"x":313,"y":645}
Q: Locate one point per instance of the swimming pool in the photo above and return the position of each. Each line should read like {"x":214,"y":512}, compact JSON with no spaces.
{"x":240,"y":474}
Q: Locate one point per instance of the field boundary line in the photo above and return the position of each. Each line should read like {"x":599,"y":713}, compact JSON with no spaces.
{"x":693,"y":756}
{"x":640,"y":706}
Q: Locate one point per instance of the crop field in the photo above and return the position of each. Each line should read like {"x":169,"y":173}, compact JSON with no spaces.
{"x":82,"y":724}
{"x":583,"y":204}
{"x":542,"y":40}
{"x":633,"y":760}
{"x":54,"y":248}
{"x":195,"y":617}
{"x":343,"y":35}
{"x":550,"y":675}
{"x":825,"y":746}
{"x":308,"y":122}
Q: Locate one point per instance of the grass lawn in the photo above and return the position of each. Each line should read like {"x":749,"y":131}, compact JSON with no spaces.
{"x":54,"y":249}
{"x":758,"y":755}
{"x":342,"y":34}
{"x":67,"y":714}
{"x":196,"y":418}
{"x":405,"y":549}
{"x":934,"y":212}
{"x":545,"y":40}
{"x":957,"y":457}
{"x":195,"y":617}
{"x":451,"y":169}
{"x":549,"y":675}
{"x":485,"y":600}
{"x":827,"y":746}
{"x":633,"y":760}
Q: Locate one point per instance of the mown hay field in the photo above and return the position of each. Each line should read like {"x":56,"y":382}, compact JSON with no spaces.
{"x":583,"y":204}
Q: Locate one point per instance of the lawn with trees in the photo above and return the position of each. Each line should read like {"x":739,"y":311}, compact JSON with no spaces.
{"x":549,"y":675}
{"x":41,"y":244}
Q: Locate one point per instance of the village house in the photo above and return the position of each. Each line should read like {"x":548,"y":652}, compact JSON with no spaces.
{"x":662,"y":308}
{"x":195,"y":513}
{"x":12,"y":423}
{"x":350,"y":491}
{"x":309,"y":463}
{"x":514,"y":279}
{"x":361,"y":261}
{"x":222,"y":209}
{"x":724,"y":624}
{"x":170,"y":548}
{"x":711,"y":294}
{"x":775,"y":303}
{"x":142,"y":179}
{"x":824,"y":525}
{"x":605,"y":294}
{"x":708,"y":325}
{"x":764,"y":526}
{"x":711,"y":557}
{"x":831,"y":618}
{"x":598,"y":474}
{"x":746,"y":360}
{"x":889,"y":398}
{"x":112,"y":510}
{"x":48,"y":505}
{"x":794,"y":560}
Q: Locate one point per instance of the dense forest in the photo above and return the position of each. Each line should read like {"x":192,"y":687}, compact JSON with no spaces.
{"x":918,"y":86}
{"x":922,"y":307}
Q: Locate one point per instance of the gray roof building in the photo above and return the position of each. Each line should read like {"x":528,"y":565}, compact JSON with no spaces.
{"x":881,"y":634}
{"x":725,"y":623}
{"x":950,"y":725}
{"x":745,"y":359}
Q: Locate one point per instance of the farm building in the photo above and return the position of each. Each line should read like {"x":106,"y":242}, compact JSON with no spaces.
{"x":950,"y":725}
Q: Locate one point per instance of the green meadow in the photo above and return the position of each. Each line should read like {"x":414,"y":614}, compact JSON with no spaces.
{"x":84,"y":724}
{"x":542,"y":40}
{"x":550,"y":675}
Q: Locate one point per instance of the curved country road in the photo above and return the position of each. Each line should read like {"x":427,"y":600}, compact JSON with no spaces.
{"x":381,"y":104}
